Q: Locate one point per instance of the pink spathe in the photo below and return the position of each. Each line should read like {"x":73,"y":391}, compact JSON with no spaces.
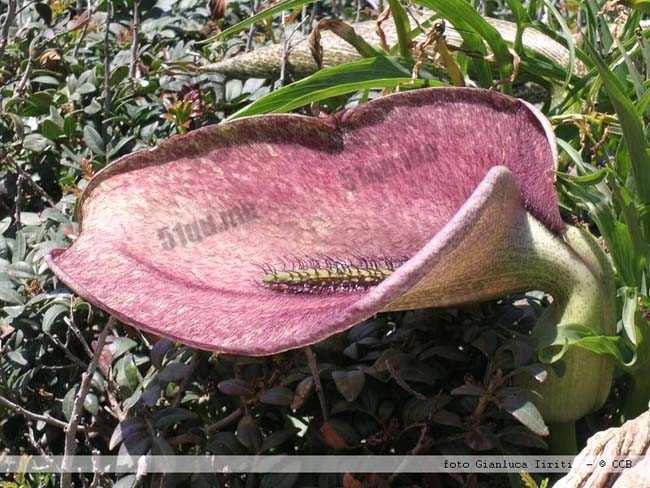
{"x":173,"y":239}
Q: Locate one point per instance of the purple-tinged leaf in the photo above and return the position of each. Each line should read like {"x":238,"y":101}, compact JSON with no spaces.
{"x":278,"y":438}
{"x":304,"y":390}
{"x":248,"y":433}
{"x":173,"y":415}
{"x":235,"y":387}
{"x":280,"y":396}
{"x":526,"y":412}
{"x":480,"y":439}
{"x":159,"y":350}
{"x":173,"y":372}
{"x":349,"y":383}
{"x":469,"y":389}
{"x":125,"y":429}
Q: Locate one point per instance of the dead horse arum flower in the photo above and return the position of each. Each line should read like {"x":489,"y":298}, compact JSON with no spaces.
{"x":274,"y":232}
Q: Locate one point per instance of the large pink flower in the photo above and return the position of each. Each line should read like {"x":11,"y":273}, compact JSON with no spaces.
{"x":178,"y":240}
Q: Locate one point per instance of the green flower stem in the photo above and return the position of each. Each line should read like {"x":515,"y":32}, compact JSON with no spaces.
{"x":562,"y":439}
{"x":580,"y":280}
{"x":503,"y":250}
{"x":637,"y":395}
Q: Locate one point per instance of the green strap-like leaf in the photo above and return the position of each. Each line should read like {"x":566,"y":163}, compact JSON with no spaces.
{"x":633,"y":132}
{"x":555,"y":342}
{"x":402,"y":27}
{"x":377,"y":72}
{"x":253,"y":19}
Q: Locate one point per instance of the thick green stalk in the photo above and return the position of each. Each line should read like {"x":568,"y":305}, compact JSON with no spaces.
{"x":562,"y":439}
{"x":589,"y":301}
{"x":583,"y":293}
{"x":637,"y":395}
{"x":504,"y":250}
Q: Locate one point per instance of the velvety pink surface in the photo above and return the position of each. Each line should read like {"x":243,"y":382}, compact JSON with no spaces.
{"x":172,"y":238}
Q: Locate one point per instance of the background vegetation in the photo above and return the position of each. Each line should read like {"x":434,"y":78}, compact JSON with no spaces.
{"x":84,"y":83}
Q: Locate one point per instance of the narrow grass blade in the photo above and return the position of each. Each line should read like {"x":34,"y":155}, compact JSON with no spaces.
{"x":377,"y":72}
{"x":637,"y":79}
{"x":568,"y":36}
{"x":597,"y":198}
{"x":402,"y":27}
{"x":522,"y":19}
{"x":633,"y":132}
{"x":253,"y":19}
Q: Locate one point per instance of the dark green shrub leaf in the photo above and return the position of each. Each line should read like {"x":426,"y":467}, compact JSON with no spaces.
{"x":120,"y":346}
{"x":91,"y":404}
{"x":280,"y":396}
{"x":526,"y":412}
{"x":94,"y":141}
{"x":235,"y":387}
{"x":51,"y":314}
{"x":248,"y":434}
{"x":36,"y":142}
{"x":172,"y":415}
{"x":278,"y":438}
{"x":173,"y":372}
{"x":279,"y":480}
{"x":349,"y":383}
{"x":159,"y":350}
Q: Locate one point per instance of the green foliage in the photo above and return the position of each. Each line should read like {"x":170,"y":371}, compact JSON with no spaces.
{"x":530,"y":482}
{"x":379,"y":71}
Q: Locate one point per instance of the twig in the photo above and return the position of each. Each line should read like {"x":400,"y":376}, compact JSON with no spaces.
{"x":33,"y":184}
{"x":22,"y":84}
{"x":308,"y":21}
{"x":313,"y":367}
{"x":143,"y":339}
{"x":242,"y":402}
{"x":47,"y":418}
{"x":4,"y":32}
{"x":107,"y":71}
{"x":67,"y":351}
{"x":253,"y":27}
{"x":229,"y":419}
{"x":84,"y":30}
{"x":18,"y":200}
{"x":32,"y":439}
{"x":69,"y":321}
{"x":70,"y":446}
{"x":423,"y":443}
{"x":115,"y":410}
{"x":400,"y":381}
{"x":134,"y":43}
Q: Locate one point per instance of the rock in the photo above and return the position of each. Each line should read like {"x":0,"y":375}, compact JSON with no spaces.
{"x":631,"y":440}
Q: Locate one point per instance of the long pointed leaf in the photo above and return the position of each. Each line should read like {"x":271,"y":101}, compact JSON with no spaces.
{"x":253,"y":19}
{"x":402,"y":27}
{"x":377,"y":72}
{"x":633,"y":132}
{"x":569,"y":40}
